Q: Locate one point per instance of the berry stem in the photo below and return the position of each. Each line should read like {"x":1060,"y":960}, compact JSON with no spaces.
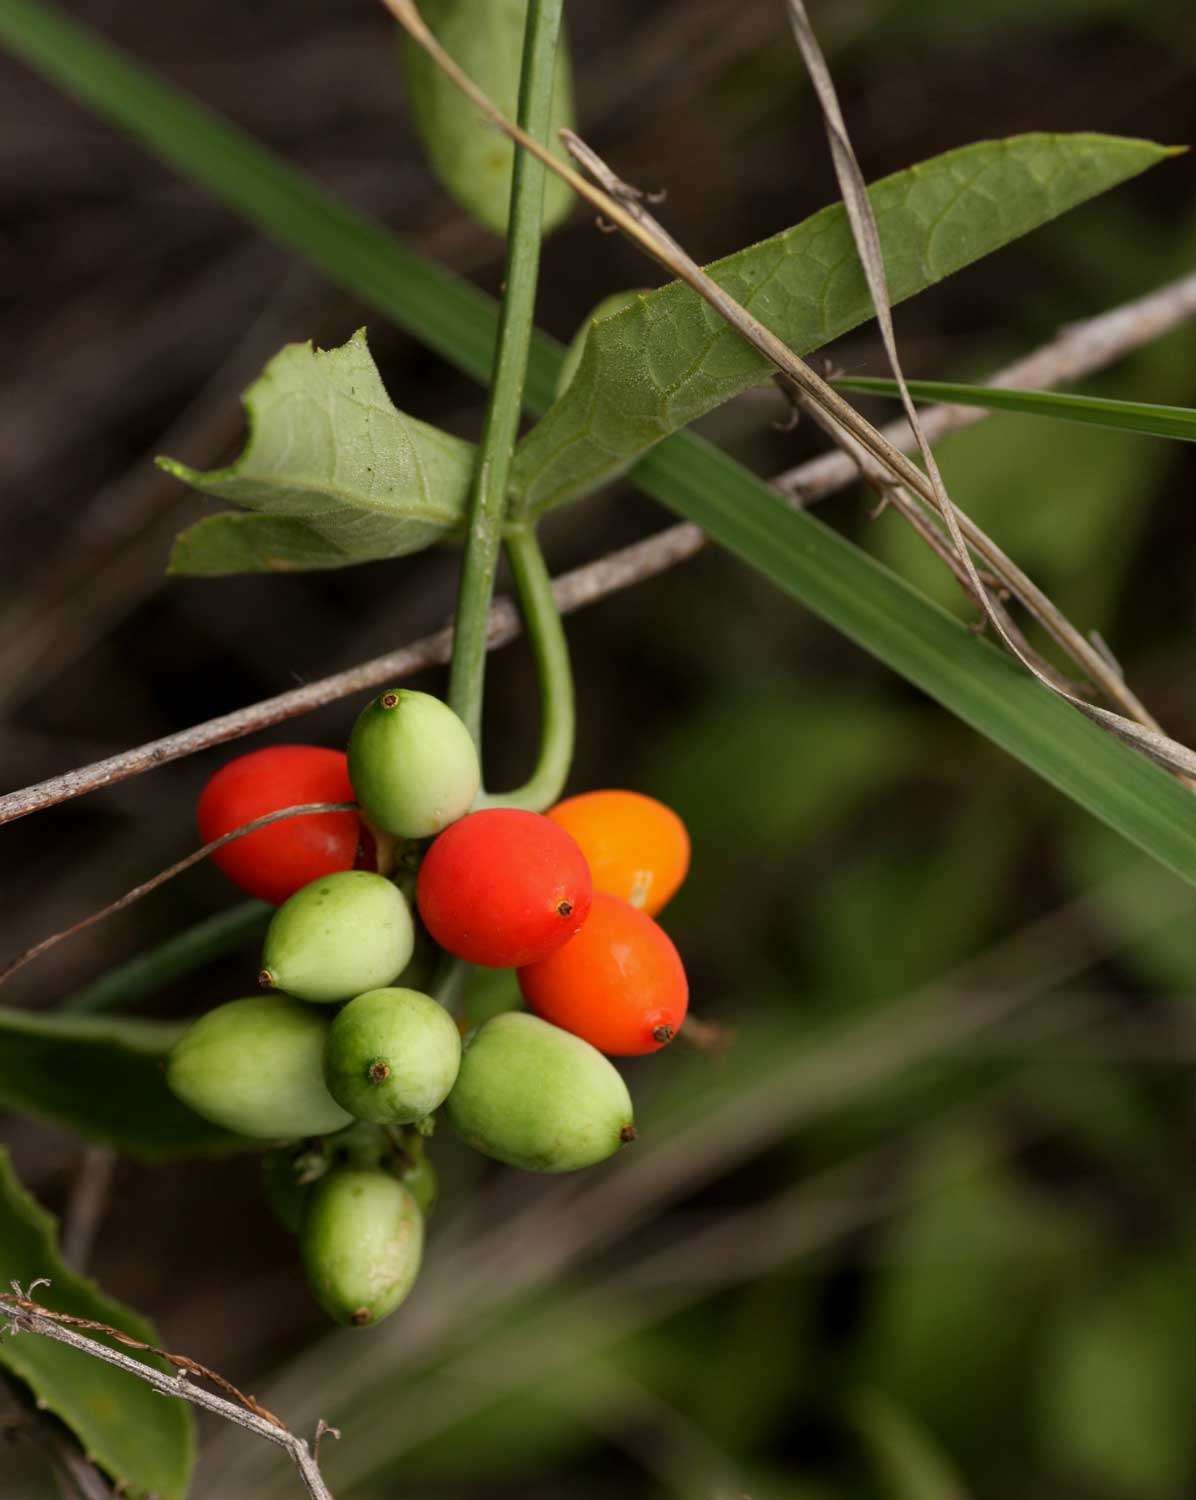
{"x":489,"y":500}
{"x":546,"y":632}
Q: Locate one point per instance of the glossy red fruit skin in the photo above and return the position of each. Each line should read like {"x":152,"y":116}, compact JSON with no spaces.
{"x":501,"y":888}
{"x":619,"y":985}
{"x":275,"y":862}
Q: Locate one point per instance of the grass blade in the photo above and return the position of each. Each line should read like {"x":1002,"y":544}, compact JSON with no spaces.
{"x":831,"y":577}
{"x":1100,"y":411}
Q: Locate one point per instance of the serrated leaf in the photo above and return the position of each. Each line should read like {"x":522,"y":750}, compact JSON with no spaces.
{"x":104,"y":1079}
{"x":671,"y":358}
{"x":471,"y":159}
{"x":1067,"y":406}
{"x":336,"y":474}
{"x":143,"y":1440}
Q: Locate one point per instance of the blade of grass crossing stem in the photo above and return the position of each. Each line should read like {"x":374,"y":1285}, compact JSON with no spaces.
{"x":927,"y":646}
{"x":1100,"y":411}
{"x":835,"y":580}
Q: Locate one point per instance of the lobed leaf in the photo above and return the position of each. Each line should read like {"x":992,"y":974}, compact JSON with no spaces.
{"x":471,"y":159}
{"x":670,"y":358}
{"x":334,"y":473}
{"x":145,"y":1442}
{"x":1101,"y":411}
{"x":104,"y":1079}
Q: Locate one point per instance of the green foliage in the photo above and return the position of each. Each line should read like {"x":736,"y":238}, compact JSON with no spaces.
{"x":737,"y":510}
{"x":335,"y":473}
{"x":670,"y":358}
{"x":104,"y":1079}
{"x":607,"y":308}
{"x":145,"y":1442}
{"x":966,"y":1276}
{"x":1117,"y":1385}
{"x":472,"y":160}
{"x":1099,"y":411}
{"x":908,"y":1462}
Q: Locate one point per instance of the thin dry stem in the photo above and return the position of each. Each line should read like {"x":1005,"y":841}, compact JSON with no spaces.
{"x":1077,"y":350}
{"x":300,"y":810}
{"x":27,"y":1316}
{"x":624,"y":207}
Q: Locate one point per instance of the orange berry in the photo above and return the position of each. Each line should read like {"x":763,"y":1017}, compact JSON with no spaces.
{"x":636,"y":848}
{"x":619,"y":984}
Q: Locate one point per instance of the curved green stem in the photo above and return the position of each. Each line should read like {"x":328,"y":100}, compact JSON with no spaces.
{"x":546,"y":632}
{"x":488,"y":507}
{"x":178,"y":956}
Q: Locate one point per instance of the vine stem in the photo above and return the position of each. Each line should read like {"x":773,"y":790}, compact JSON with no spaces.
{"x":550,"y":647}
{"x":505,"y":405}
{"x":149,"y":978}
{"x":178,"y":956}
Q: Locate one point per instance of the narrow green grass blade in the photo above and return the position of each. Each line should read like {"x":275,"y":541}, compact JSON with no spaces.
{"x":930,"y":648}
{"x":1100,"y":411}
{"x":834,"y":579}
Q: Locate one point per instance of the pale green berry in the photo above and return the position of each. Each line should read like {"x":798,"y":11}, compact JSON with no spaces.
{"x":537,"y":1097}
{"x":339,"y":936}
{"x":413,"y":764}
{"x":361,"y":1241}
{"x":256,"y":1066}
{"x":392,"y":1056}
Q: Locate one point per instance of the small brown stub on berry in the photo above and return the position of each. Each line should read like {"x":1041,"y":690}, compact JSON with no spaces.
{"x":627,"y":1134}
{"x":379,"y":1071}
{"x":266,"y":980}
{"x":360,"y":1318}
{"x":389,"y":700}
{"x":564,"y":908}
{"x":663,"y":1034}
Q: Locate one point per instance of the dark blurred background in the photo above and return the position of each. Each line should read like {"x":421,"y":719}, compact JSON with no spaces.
{"x":878,"y":1248}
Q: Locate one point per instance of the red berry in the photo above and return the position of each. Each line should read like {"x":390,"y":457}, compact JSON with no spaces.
{"x":275,"y":862}
{"x":503,"y":888}
{"x":619,"y":985}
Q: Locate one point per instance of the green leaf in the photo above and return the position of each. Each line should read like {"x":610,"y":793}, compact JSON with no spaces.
{"x":143,"y":1440}
{"x":671,"y":358}
{"x":340,"y":475}
{"x":607,"y":308}
{"x":1100,"y":411}
{"x":104,"y":1079}
{"x":909,"y":1463}
{"x":471,"y":159}
{"x":830,"y":576}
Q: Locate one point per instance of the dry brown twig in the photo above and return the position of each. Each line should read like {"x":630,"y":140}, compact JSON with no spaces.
{"x":27,"y":1316}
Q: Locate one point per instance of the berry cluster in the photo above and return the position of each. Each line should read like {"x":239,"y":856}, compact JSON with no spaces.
{"x":566,"y":899}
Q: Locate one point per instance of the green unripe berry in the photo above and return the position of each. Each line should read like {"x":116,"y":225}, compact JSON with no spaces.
{"x":539,"y":1098}
{"x":361,"y":1242}
{"x":392,"y":1056}
{"x":413,"y":764}
{"x":257,"y":1067}
{"x":337,"y":937}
